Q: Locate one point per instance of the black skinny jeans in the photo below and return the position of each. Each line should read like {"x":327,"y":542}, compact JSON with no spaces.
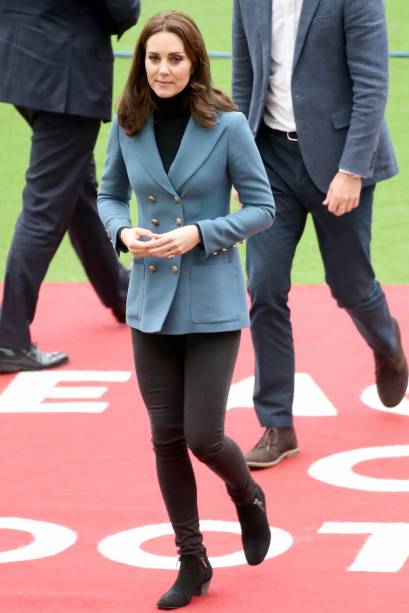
{"x":184,"y":381}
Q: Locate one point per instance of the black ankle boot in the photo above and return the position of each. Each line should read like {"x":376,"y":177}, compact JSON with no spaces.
{"x":193,"y":579}
{"x":255,"y":531}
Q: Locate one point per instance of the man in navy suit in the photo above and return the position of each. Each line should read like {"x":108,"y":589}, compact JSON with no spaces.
{"x":311,"y":76}
{"x":56,"y":60}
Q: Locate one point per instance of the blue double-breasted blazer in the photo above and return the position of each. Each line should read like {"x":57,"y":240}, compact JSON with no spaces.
{"x":203,"y":290}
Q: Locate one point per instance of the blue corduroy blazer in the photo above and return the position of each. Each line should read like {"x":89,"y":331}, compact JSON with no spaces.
{"x":203,"y":290}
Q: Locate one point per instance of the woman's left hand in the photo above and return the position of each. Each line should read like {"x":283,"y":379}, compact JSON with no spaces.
{"x":175,"y":242}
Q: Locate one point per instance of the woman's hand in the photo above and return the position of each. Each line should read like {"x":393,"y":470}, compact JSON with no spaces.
{"x":131,"y":239}
{"x":175,"y":242}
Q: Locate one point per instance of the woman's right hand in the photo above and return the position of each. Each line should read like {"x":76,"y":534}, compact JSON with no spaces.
{"x":131,"y":239}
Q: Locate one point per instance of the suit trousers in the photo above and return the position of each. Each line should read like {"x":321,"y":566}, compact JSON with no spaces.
{"x":59,"y":195}
{"x":344,"y":244}
{"x":184,"y":381}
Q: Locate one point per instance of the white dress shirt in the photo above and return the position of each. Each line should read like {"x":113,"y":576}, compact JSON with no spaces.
{"x":278,"y":110}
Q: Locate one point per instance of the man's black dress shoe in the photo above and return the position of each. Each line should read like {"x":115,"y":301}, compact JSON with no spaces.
{"x":29,"y":359}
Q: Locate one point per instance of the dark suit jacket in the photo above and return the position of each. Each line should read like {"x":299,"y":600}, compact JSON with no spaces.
{"x":56,"y":55}
{"x":339,"y":83}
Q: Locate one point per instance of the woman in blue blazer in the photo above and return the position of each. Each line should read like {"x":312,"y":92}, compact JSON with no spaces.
{"x":179,"y":145}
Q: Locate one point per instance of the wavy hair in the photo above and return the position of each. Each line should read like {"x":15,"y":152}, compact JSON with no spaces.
{"x":205,"y":101}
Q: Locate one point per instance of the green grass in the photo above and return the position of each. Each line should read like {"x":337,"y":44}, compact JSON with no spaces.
{"x":390,"y":246}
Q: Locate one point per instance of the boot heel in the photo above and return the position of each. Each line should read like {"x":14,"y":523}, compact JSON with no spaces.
{"x":205,"y":589}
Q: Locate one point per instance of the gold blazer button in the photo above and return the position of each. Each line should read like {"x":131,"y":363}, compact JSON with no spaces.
{"x":152,"y":199}
{"x":155,"y":222}
{"x":174,"y":269}
{"x":179,"y":222}
{"x":177,"y":199}
{"x":152,"y":268}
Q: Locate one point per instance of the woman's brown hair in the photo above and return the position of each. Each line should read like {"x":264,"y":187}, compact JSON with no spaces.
{"x":204,"y":100}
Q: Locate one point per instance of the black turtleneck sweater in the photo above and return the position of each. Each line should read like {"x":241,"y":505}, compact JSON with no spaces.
{"x":170,"y":120}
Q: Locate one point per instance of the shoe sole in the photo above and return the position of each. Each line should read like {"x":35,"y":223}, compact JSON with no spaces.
{"x":8,"y":368}
{"x":287,"y":454}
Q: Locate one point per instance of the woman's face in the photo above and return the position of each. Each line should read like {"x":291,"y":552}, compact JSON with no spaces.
{"x":168,"y":67}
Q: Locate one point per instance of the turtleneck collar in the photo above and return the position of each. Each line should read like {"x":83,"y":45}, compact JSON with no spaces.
{"x":172,"y":107}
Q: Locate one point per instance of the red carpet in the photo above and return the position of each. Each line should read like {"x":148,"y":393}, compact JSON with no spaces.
{"x":77,"y":472}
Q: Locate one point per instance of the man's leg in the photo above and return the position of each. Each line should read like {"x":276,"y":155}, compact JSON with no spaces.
{"x":60,"y":155}
{"x":269,"y":260}
{"x":88,"y":236}
{"x":345,"y":247}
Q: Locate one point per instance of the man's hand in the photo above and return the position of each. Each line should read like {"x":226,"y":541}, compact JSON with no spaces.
{"x":343,"y":194}
{"x":131,"y":239}
{"x":175,"y":242}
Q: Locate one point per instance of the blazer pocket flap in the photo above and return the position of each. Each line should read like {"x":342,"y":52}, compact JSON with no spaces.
{"x":342,"y":117}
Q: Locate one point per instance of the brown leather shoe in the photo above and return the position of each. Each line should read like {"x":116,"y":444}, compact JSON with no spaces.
{"x":275,"y":445}
{"x":391,"y":373}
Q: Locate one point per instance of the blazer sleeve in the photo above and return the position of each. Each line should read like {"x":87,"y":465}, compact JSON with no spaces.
{"x":248,"y":175}
{"x":118,"y":15}
{"x":242,"y":77}
{"x":367,"y":57}
{"x":114,"y":191}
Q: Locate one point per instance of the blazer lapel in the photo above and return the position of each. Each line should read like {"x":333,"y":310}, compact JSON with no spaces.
{"x":308,"y":10}
{"x":144,"y":143}
{"x":196,"y":145}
